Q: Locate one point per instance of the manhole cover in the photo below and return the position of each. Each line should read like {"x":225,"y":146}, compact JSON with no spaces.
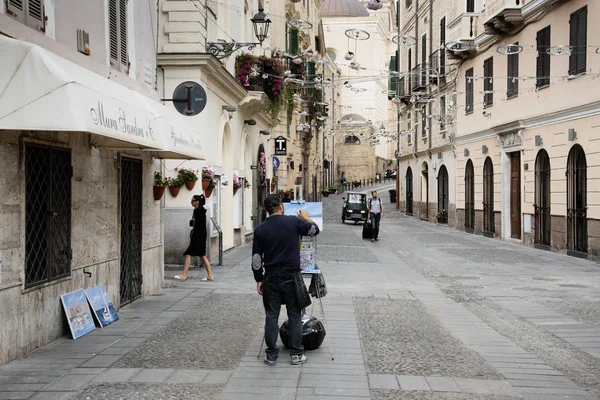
{"x":459,"y":277}
{"x":546,"y":278}
{"x":572,"y":285}
{"x":530,"y":289}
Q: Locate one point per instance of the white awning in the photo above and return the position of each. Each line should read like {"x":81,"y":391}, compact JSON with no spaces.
{"x":42,"y":91}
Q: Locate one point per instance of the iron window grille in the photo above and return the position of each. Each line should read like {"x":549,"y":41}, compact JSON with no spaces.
{"x":48,"y":253}
{"x":543,"y":58}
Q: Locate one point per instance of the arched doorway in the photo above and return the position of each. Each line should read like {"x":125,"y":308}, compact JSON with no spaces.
{"x":488,"y":197}
{"x":577,"y":200}
{"x":424,"y":205}
{"x":469,"y":197}
{"x":443,"y":195}
{"x":542,"y":199}
{"x":261,"y":182}
{"x":409,"y":191}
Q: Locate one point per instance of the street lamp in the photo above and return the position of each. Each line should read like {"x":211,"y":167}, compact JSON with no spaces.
{"x":261,"y":25}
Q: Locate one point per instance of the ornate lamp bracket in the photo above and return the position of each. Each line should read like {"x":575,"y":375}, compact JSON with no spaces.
{"x":224,"y":49}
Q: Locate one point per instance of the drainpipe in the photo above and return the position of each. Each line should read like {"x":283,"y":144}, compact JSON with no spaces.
{"x":428,"y":71}
{"x":416,"y":148}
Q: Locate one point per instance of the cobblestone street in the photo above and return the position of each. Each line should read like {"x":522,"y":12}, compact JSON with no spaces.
{"x":425,"y":313}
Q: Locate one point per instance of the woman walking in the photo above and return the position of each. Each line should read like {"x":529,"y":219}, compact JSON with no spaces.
{"x":197,"y":247}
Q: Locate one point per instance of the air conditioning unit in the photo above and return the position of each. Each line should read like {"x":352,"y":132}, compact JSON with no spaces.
{"x":83,"y":42}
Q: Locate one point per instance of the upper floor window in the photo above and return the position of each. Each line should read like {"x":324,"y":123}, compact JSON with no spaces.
{"x":488,"y":82}
{"x":470,"y":6}
{"x":543,"y":58}
{"x":442,"y":113}
{"x":29,"y":12}
{"x":117,"y":23}
{"x":469,"y":91}
{"x":352,"y":139}
{"x":512,"y":83}
{"x":578,"y":41}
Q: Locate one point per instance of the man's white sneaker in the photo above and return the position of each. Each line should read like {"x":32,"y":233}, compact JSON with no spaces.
{"x":297,"y":360}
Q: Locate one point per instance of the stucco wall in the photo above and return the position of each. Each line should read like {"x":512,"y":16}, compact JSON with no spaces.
{"x":33,"y":317}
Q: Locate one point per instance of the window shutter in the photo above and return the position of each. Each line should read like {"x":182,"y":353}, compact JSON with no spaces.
{"x":442,"y":70}
{"x":469,"y":91}
{"x":543,"y":58}
{"x":14,"y":8}
{"x":470,"y":6}
{"x":123,"y":33}
{"x":423,"y":60}
{"x":312,"y":69}
{"x":573,"y":44}
{"x":582,"y":40}
{"x":410,"y":71}
{"x":114,"y":32}
{"x":35,"y":15}
{"x":317,"y":44}
{"x":393,"y":85}
{"x":488,"y":73}
{"x":293,"y":41}
{"x":513,"y":74}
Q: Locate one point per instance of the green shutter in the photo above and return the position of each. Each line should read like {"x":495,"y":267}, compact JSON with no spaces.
{"x":293,"y":49}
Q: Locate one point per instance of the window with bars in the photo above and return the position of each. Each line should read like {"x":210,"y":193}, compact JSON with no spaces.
{"x":117,"y":21}
{"x":48,"y":175}
{"x":543,"y":58}
{"x":28,"y":12}
{"x":512,"y":83}
{"x":488,"y":82}
{"x":469,"y":85}
{"x":578,"y":41}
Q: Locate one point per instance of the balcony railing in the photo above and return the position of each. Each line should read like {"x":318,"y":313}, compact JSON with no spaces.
{"x":437,"y":63}
{"x":419,"y":78}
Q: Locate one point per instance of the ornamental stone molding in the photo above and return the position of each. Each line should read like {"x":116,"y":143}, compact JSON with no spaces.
{"x":511,"y":139}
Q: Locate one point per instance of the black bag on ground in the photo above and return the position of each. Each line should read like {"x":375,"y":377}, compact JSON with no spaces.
{"x":367,"y":232}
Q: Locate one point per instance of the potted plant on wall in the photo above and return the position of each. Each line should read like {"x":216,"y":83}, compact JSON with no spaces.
{"x":237,"y":183}
{"x":175,"y":185}
{"x":160,"y":184}
{"x":332,"y":189}
{"x":208,"y":175}
{"x":209,"y":188}
{"x":189,"y":177}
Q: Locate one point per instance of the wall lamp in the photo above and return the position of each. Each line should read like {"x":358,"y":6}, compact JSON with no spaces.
{"x":261,"y":24}
{"x":266,"y":133}
{"x":250,"y":122}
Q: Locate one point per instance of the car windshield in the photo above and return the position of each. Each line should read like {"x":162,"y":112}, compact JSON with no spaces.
{"x":356,"y":198}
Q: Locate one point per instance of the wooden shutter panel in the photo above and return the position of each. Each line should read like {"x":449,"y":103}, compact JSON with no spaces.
{"x":469,"y":90}
{"x":35,"y":15}
{"x":123,"y":33}
{"x":582,"y":40}
{"x":393,"y":83}
{"x":312,"y":69}
{"x":442,"y":70}
{"x":513,"y":74}
{"x":114,"y":32}
{"x":14,"y":8}
{"x":573,"y":44}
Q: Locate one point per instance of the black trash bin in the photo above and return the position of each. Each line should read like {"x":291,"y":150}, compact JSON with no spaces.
{"x":392,"y":195}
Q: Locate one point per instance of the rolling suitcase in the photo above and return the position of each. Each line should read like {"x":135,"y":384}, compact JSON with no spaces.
{"x":367,"y":232}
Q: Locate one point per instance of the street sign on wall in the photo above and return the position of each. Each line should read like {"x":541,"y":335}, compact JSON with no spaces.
{"x":276,"y":163}
{"x":280,"y":146}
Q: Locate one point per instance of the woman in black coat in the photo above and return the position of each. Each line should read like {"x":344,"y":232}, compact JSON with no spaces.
{"x":197,"y":247}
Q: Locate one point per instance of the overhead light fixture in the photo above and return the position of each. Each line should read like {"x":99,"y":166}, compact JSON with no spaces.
{"x":261,"y":25}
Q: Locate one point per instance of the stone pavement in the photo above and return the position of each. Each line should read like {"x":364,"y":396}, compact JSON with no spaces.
{"x":425,"y":313}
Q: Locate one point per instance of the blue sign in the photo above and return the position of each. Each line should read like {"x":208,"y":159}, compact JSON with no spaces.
{"x":276,"y":163}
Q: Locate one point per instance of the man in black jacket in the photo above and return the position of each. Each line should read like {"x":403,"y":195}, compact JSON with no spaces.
{"x":276,"y":250}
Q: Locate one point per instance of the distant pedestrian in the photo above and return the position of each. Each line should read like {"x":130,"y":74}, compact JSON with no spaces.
{"x":375,"y":214}
{"x":276,"y":250}
{"x":197,"y":247}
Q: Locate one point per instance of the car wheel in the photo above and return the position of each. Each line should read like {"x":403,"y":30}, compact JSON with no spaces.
{"x":355,"y":222}
{"x":343,"y":220}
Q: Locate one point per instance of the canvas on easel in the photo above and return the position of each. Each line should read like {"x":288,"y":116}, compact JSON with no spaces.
{"x":103,"y":309}
{"x":78,"y":313}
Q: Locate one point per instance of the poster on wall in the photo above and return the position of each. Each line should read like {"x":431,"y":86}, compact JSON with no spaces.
{"x":308,"y":244}
{"x":101,"y":305}
{"x":78,"y":313}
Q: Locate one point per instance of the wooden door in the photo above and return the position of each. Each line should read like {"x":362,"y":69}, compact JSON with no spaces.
{"x":515,"y":195}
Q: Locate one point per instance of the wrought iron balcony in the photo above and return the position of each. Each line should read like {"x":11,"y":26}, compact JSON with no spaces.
{"x":437,"y":63}
{"x":419,"y":78}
